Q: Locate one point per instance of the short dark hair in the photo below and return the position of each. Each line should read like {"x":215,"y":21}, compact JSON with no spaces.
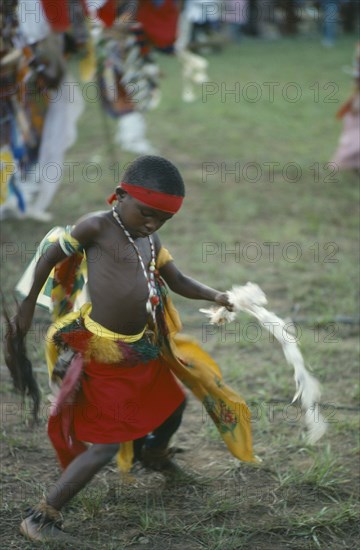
{"x":157,"y":173}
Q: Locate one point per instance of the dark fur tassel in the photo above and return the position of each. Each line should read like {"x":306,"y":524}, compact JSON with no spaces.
{"x":19,"y":364}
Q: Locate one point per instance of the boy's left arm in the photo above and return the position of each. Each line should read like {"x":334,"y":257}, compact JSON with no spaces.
{"x":190,"y":288}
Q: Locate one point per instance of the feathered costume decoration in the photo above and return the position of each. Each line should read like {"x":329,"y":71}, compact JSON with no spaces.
{"x":19,"y":364}
{"x":251,"y":299}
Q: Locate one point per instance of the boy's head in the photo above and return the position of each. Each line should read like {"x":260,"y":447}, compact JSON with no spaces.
{"x":154,"y":181}
{"x":151,"y":192}
{"x":156,"y":173}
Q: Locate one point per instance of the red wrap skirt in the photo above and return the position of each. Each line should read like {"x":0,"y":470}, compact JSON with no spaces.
{"x":119,"y":403}
{"x":108,"y":401}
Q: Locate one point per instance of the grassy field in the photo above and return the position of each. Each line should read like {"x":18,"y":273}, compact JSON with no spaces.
{"x":263,"y":205}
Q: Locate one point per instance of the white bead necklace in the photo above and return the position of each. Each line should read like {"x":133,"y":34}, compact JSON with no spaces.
{"x":153,"y":299}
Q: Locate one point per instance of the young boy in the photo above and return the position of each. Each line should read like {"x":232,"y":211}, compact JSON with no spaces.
{"x":120,"y":386}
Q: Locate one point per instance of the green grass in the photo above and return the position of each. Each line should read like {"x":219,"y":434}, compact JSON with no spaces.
{"x":324,"y":474}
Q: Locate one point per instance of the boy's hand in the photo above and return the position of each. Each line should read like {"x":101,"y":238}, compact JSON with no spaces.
{"x":222,"y":299}
{"x":23,"y":318}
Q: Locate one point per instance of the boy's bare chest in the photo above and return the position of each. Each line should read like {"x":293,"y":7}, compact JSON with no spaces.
{"x":117,"y":261}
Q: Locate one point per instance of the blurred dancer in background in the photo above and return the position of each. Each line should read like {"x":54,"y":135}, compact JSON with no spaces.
{"x":347,"y":155}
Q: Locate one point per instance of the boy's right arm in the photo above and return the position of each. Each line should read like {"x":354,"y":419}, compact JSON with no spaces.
{"x":85,"y":231}
{"x":53,"y":255}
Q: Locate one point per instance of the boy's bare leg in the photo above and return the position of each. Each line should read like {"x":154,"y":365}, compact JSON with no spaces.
{"x":81,"y":470}
{"x":44,"y":521}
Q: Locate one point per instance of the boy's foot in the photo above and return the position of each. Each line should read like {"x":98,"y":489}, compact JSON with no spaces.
{"x":158,"y":459}
{"x":42,"y":526}
{"x":161,"y":460}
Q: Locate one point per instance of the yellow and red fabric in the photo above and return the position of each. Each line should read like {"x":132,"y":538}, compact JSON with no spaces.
{"x":116,"y":390}
{"x":102,"y":373}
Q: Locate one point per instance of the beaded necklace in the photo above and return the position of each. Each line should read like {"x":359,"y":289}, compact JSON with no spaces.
{"x":153,"y":299}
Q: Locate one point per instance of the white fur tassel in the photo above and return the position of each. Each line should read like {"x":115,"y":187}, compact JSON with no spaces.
{"x":251,"y":299}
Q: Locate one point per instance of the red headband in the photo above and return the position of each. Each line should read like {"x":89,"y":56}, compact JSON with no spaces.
{"x":154,"y":199}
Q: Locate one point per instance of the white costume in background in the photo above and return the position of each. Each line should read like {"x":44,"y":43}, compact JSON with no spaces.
{"x":194,"y":66}
{"x":59,"y":131}
{"x":202,"y":11}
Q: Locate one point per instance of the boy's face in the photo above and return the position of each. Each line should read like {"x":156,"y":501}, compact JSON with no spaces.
{"x":138,"y":218}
